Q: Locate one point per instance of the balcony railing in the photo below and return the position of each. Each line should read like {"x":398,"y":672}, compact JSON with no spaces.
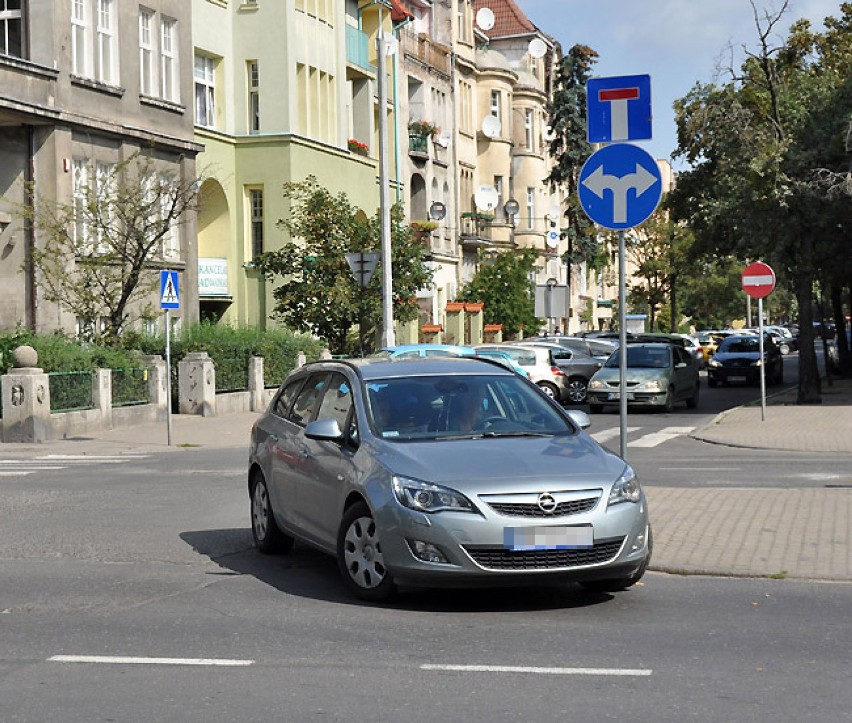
{"x":425,"y":50}
{"x":358,"y":49}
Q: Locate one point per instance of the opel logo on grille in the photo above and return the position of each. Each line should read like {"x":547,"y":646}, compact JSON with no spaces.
{"x":546,"y":502}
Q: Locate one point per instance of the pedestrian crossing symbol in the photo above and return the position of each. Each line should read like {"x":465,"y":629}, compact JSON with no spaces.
{"x":169,"y":294}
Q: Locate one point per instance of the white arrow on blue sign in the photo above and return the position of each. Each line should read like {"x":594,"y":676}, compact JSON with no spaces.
{"x":618,"y":109}
{"x":620,"y":186}
{"x":169,"y":290}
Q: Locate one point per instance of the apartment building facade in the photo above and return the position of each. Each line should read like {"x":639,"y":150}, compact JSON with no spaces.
{"x":85,"y":85}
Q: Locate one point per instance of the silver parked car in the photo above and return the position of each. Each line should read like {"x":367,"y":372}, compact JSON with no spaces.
{"x":429,"y":472}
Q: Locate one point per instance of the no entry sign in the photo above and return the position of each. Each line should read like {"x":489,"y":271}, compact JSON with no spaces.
{"x":758,"y":280}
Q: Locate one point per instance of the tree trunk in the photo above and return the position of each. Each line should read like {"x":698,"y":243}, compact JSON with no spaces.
{"x":844,"y":361}
{"x":809,"y":382}
{"x":673,"y":325}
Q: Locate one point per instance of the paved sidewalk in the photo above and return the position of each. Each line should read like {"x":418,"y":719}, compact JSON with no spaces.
{"x":801,"y":533}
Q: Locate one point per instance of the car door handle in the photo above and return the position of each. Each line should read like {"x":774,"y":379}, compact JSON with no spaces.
{"x":273,"y":438}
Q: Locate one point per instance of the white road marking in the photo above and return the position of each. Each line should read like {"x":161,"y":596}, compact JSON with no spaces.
{"x":132,"y":660}
{"x":664,"y":435}
{"x":538,"y":671}
{"x":52,"y":462}
{"x":608,"y":434}
{"x":91,"y":457}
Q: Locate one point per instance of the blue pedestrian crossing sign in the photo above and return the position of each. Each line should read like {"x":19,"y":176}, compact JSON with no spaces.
{"x":620,"y":186}
{"x":169,"y":293}
{"x":618,"y":109}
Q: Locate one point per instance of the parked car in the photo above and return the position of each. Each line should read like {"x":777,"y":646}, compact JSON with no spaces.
{"x":737,"y":359}
{"x":502,"y":358}
{"x":540,"y":366}
{"x":782,"y":337}
{"x":578,"y":367}
{"x":599,"y":348}
{"x":423,"y":350}
{"x":708,"y":344}
{"x":427,"y":472}
{"x":658,"y":375}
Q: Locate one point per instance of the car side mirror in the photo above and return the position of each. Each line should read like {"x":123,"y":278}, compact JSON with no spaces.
{"x":681,"y":365}
{"x":324,"y":429}
{"x":580,"y":418}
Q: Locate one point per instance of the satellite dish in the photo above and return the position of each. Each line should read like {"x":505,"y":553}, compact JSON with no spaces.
{"x":553,"y":214}
{"x":549,"y":134}
{"x":511,"y":207}
{"x":485,"y":18}
{"x":444,"y":138}
{"x":391,"y":45}
{"x":537,"y":48}
{"x":438,"y":210}
{"x":491,"y":126}
{"x":486,"y":198}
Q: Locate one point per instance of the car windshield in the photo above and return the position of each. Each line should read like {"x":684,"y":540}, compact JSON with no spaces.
{"x":441,"y":406}
{"x":739,"y":345}
{"x":641,"y":357}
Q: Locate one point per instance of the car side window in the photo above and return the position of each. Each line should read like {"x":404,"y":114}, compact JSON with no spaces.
{"x":285,"y":398}
{"x":306,"y":400}
{"x":561,"y":354}
{"x":337,"y":400}
{"x":681,"y":357}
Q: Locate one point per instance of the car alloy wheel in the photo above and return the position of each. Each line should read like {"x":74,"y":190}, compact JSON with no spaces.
{"x":576,"y":390}
{"x":549,"y":389}
{"x":359,"y":555}
{"x":268,"y":537}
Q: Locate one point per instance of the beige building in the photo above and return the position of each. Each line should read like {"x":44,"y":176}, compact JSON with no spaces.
{"x":85,"y":84}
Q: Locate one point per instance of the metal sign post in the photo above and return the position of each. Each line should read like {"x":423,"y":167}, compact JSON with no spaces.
{"x":622,"y":344}
{"x":169,"y":299}
{"x":758,"y":281}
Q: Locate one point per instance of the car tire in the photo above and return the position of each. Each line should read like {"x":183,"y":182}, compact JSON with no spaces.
{"x":268,"y":537}
{"x":668,"y":407}
{"x":576,"y":390}
{"x":595,"y":408}
{"x":359,"y":556}
{"x":549,"y":389}
{"x":692,"y":402}
{"x":617,"y":584}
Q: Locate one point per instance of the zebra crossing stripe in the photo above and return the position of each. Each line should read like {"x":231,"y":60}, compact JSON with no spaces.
{"x":655,"y":438}
{"x":608,"y":434}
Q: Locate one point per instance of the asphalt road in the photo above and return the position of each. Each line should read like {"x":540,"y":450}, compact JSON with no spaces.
{"x":147,"y":565}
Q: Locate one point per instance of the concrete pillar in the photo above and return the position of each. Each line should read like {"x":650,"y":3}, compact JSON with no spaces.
{"x":454,"y":329}
{"x":325,"y":354}
{"x":102,"y":395}
{"x":197,"y":384}
{"x":26,"y":399}
{"x":475,"y":322}
{"x":406,"y":332}
{"x":157,"y":389}
{"x":255,"y":384}
{"x":301,"y":359}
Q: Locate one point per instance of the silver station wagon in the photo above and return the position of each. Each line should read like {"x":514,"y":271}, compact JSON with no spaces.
{"x":436,"y":472}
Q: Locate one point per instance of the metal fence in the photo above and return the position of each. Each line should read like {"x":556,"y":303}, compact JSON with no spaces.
{"x":70,"y":391}
{"x":130,"y":386}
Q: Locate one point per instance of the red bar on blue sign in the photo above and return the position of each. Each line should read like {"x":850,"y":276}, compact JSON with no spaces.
{"x":618,"y":94}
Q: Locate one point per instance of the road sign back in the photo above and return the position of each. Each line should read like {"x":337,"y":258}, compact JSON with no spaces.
{"x":758,"y":280}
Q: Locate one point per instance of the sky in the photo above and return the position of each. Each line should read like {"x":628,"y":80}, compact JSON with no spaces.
{"x":677,"y":42}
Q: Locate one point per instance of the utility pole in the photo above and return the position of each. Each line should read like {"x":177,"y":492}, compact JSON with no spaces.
{"x":388,"y":335}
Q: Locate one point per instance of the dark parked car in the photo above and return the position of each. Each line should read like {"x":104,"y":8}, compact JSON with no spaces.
{"x":577,"y":366}
{"x":447,"y":471}
{"x":600,"y":348}
{"x":737,"y":359}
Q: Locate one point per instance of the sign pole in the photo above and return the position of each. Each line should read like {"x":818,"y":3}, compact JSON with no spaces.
{"x":168,"y":381}
{"x":762,"y":360}
{"x":622,"y":344}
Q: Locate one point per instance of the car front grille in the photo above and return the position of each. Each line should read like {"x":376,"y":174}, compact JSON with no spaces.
{"x":499,"y":558}
{"x":573,"y":507}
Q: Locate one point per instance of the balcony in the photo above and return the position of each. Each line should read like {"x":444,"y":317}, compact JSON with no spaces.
{"x":418,"y":145}
{"x":428,"y":52}
{"x":358,"y":50}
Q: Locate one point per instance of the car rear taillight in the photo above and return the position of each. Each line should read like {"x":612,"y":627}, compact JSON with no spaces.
{"x":557,"y":372}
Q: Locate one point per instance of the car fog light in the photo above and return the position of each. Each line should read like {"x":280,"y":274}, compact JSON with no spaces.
{"x":427,"y":552}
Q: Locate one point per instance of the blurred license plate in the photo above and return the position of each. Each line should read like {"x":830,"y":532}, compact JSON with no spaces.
{"x":616,"y":395}
{"x":736,"y":378}
{"x":548,"y":538}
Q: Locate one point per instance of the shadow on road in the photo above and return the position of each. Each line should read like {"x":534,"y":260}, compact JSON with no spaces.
{"x":308,"y":573}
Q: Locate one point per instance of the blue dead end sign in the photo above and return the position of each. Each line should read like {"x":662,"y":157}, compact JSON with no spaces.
{"x":618,"y":109}
{"x":620,"y":186}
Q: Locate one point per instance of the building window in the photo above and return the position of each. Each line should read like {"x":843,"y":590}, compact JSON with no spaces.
{"x":11,"y":28}
{"x":528,"y":128}
{"x":170,"y":243}
{"x":204,"y":91}
{"x":530,"y":208}
{"x":253,"y":97}
{"x":79,"y":33}
{"x":102,"y":197}
{"x":79,"y":194}
{"x":146,"y":54}
{"x":498,"y":186}
{"x":105,"y":52}
{"x":495,"y":104}
{"x":256,"y":211}
{"x":168,"y":60}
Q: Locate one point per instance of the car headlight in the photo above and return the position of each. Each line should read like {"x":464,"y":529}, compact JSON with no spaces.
{"x":428,"y":497}
{"x":596,"y":384}
{"x":714,"y":363}
{"x":626,"y":488}
{"x":756,"y":363}
{"x":652,"y":385}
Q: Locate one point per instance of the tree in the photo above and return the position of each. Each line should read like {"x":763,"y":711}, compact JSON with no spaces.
{"x":750,"y":192}
{"x":503,"y":284}
{"x":102,"y":253}
{"x":570,"y":149}
{"x":316,"y":290}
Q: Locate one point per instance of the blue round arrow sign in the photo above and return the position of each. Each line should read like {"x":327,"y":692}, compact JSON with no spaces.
{"x":620,"y":186}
